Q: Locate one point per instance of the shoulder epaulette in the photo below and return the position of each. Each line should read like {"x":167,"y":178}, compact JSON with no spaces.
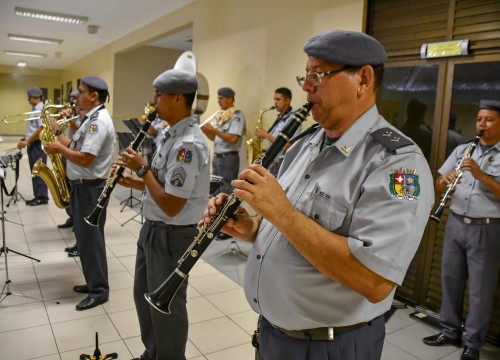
{"x":390,"y":139}
{"x":307,"y":131}
{"x":95,"y":115}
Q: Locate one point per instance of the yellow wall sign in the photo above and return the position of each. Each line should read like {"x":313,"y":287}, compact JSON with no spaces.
{"x":445,"y":49}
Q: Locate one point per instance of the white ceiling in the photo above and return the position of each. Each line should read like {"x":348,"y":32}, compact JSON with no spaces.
{"x":114,"y":19}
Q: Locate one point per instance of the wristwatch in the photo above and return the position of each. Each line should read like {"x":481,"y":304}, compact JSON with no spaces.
{"x":142,"y":170}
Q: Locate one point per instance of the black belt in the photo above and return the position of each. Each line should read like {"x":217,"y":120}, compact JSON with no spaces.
{"x":85,"y":181}
{"x":320,"y":334}
{"x":226,"y":154}
{"x":477,"y":221}
{"x":168,"y":226}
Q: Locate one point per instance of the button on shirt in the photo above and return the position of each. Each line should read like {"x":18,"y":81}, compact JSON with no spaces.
{"x":33,"y":125}
{"x":471,"y":198}
{"x":96,"y":136}
{"x":182,"y":165}
{"x":346,"y":189}
{"x":235,"y":125}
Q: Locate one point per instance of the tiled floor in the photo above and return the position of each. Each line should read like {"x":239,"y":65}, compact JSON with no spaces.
{"x":221,"y":321}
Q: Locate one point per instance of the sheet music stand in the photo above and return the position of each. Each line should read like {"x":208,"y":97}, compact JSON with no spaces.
{"x":124,"y":140}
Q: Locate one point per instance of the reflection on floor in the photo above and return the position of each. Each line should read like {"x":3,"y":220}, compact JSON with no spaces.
{"x":221,"y":321}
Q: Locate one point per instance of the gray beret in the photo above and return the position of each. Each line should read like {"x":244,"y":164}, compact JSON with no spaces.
{"x":95,"y":82}
{"x":226,"y":92}
{"x":34,"y":92}
{"x":490,"y":105}
{"x":346,"y":47}
{"x":176,"y":81}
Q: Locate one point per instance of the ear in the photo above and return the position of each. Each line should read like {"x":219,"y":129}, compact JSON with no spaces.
{"x":366,"y":79}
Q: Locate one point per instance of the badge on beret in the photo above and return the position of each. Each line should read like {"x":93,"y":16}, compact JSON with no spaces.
{"x":404,"y":184}
{"x":184,"y":156}
{"x":178,"y":177}
{"x":93,"y":128}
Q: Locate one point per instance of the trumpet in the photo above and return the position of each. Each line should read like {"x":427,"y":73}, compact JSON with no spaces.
{"x":458,"y":169}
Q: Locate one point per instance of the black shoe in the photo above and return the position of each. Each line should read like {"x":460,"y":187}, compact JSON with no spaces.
{"x":89,"y":303}
{"x":470,"y":353}
{"x":30,"y":201}
{"x":222,"y":236}
{"x":37,"y":202}
{"x":74,"y":252}
{"x":71,"y":248}
{"x":67,"y":224}
{"x":81,"y":289}
{"x":440,"y":340}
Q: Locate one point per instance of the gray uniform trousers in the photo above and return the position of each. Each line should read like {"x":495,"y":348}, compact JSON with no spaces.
{"x":159,"y":248}
{"x":227,"y":167}
{"x":90,"y":239}
{"x":469,"y":252}
{"x":363,"y":343}
{"x":35,"y":152}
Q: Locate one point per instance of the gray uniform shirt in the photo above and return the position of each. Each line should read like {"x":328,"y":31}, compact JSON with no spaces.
{"x":235,"y":125}
{"x":96,"y":136}
{"x":182,"y":165}
{"x":33,"y":125}
{"x":471,"y":198}
{"x":348,"y":188}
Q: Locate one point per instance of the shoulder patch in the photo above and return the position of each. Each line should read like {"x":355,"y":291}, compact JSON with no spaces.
{"x":93,"y":128}
{"x":390,"y":139}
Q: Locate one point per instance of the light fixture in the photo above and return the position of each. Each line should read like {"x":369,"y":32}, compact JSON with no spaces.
{"x":21,"y":53}
{"x":34,"y":39}
{"x":21,"y":63}
{"x":52,"y":16}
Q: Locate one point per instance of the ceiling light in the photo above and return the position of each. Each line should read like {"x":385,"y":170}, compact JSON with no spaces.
{"x":34,"y":39}
{"x":52,"y":16}
{"x":21,"y":63}
{"x":21,"y":53}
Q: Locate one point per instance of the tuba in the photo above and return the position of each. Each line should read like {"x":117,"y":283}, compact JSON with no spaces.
{"x":254,"y":145}
{"x":54,"y":178}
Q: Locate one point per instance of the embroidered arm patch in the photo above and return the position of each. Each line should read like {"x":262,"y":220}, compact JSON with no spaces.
{"x":178,"y":177}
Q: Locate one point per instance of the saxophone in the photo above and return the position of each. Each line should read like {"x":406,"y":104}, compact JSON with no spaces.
{"x":54,"y":178}
{"x":254,"y":145}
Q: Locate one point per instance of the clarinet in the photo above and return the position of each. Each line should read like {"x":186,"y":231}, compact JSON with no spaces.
{"x":162,"y":297}
{"x":93,"y":217}
{"x":436,"y":216}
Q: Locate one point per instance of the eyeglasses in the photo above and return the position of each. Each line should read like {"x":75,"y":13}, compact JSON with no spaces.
{"x":314,"y":78}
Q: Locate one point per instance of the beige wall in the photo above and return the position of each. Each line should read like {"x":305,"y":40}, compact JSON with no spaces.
{"x":252,"y":46}
{"x":13,"y":98}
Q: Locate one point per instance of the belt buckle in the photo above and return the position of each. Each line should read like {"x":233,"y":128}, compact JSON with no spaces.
{"x":467,"y":220}
{"x":330,"y":333}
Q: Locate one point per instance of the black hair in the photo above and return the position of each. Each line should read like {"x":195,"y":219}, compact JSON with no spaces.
{"x":284,"y":91}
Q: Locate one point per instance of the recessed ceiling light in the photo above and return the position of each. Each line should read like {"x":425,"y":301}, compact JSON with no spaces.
{"x":52,"y":16}
{"x":34,"y":39}
{"x":21,"y":53}
{"x":21,"y":63}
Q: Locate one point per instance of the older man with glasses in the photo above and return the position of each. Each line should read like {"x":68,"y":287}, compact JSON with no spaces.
{"x":336,"y":232}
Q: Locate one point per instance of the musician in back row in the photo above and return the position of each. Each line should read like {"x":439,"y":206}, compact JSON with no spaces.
{"x":227,"y":136}
{"x":176,"y":192}
{"x":32,"y":141}
{"x":89,"y":156}
{"x":336,"y":232}
{"x":282,"y":99}
{"x":471,"y":245}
